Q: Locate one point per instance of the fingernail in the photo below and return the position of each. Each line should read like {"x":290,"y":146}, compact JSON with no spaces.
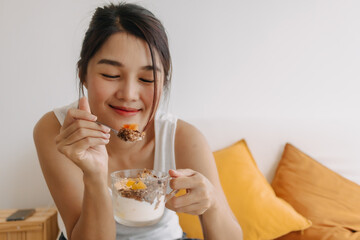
{"x":93,"y":117}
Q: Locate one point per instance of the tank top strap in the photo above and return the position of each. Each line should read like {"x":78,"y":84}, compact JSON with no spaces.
{"x":61,"y":112}
{"x":165,"y":129}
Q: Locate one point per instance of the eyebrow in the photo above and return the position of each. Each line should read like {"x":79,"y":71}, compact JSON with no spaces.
{"x":119,"y":64}
{"x":110,"y":62}
{"x":150,"y":68}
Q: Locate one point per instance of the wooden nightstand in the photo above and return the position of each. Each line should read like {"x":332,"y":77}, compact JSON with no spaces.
{"x":42,"y":225}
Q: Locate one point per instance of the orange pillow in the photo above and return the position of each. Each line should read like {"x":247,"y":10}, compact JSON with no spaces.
{"x":329,"y":200}
{"x":190,"y":224}
{"x":260,"y":213}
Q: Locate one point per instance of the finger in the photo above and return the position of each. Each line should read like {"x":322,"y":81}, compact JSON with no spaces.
{"x":74,"y":114}
{"x":78,"y":149}
{"x":90,"y":142}
{"x":84,"y":104}
{"x":183,"y":182}
{"x":183,"y":200}
{"x":78,"y":124}
{"x":181,"y":172}
{"x":83,"y":133}
{"x":194,"y":209}
{"x":172,"y":204}
{"x":192,"y":196}
{"x":188,"y":203}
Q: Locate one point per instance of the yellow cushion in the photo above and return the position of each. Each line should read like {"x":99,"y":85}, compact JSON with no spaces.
{"x":329,"y":200}
{"x":190,"y":223}
{"x":260,"y":213}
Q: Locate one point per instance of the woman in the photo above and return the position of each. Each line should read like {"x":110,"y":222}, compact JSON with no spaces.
{"x":125,"y":66}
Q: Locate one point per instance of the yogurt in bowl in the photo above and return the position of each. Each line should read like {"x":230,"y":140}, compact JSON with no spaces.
{"x":138,"y":196}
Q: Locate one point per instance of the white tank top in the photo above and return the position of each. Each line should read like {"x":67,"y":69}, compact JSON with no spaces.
{"x":164,"y":160}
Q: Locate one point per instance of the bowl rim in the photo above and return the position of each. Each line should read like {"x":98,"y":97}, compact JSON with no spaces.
{"x":155,"y":172}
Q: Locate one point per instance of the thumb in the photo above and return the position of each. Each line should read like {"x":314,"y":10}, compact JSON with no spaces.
{"x":84,"y":104}
{"x":181,"y":173}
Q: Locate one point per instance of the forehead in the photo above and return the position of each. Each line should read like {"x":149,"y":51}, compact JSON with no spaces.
{"x":127,"y":49}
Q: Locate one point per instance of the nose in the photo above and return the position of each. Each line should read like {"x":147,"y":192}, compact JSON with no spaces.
{"x":128,"y":90}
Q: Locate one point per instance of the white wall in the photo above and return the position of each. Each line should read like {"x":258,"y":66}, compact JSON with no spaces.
{"x":271,"y":71}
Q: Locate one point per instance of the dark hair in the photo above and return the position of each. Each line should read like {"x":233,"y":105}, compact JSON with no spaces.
{"x":132,"y":19}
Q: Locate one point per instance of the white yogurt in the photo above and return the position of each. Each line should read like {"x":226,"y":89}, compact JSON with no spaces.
{"x":131,"y":212}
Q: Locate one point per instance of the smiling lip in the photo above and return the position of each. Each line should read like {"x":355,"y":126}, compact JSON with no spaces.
{"x":124,"y":111}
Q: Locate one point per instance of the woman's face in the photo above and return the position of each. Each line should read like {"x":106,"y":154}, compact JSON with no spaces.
{"x":120,"y":81}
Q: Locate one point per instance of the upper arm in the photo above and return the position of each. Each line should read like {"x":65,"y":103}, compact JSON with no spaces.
{"x":63,"y":177}
{"x":192,"y":151}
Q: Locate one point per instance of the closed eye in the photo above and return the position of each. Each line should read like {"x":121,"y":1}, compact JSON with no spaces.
{"x":146,"y":80}
{"x":110,"y":76}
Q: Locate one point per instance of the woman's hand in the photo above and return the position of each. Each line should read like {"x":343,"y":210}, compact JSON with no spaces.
{"x":83,"y":141}
{"x":200,"y":194}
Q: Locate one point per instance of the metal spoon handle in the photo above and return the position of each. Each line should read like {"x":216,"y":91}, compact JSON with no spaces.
{"x":115,"y":131}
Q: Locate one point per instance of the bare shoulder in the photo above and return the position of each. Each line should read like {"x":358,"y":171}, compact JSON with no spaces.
{"x":186,"y":132}
{"x":47,"y":125}
{"x":44,"y":133}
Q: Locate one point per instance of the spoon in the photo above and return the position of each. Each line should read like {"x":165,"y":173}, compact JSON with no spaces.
{"x":115,"y":131}
{"x":126,"y":134}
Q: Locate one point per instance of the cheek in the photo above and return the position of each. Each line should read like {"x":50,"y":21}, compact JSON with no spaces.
{"x":159,"y":89}
{"x":148,"y":95}
{"x":98,"y":91}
